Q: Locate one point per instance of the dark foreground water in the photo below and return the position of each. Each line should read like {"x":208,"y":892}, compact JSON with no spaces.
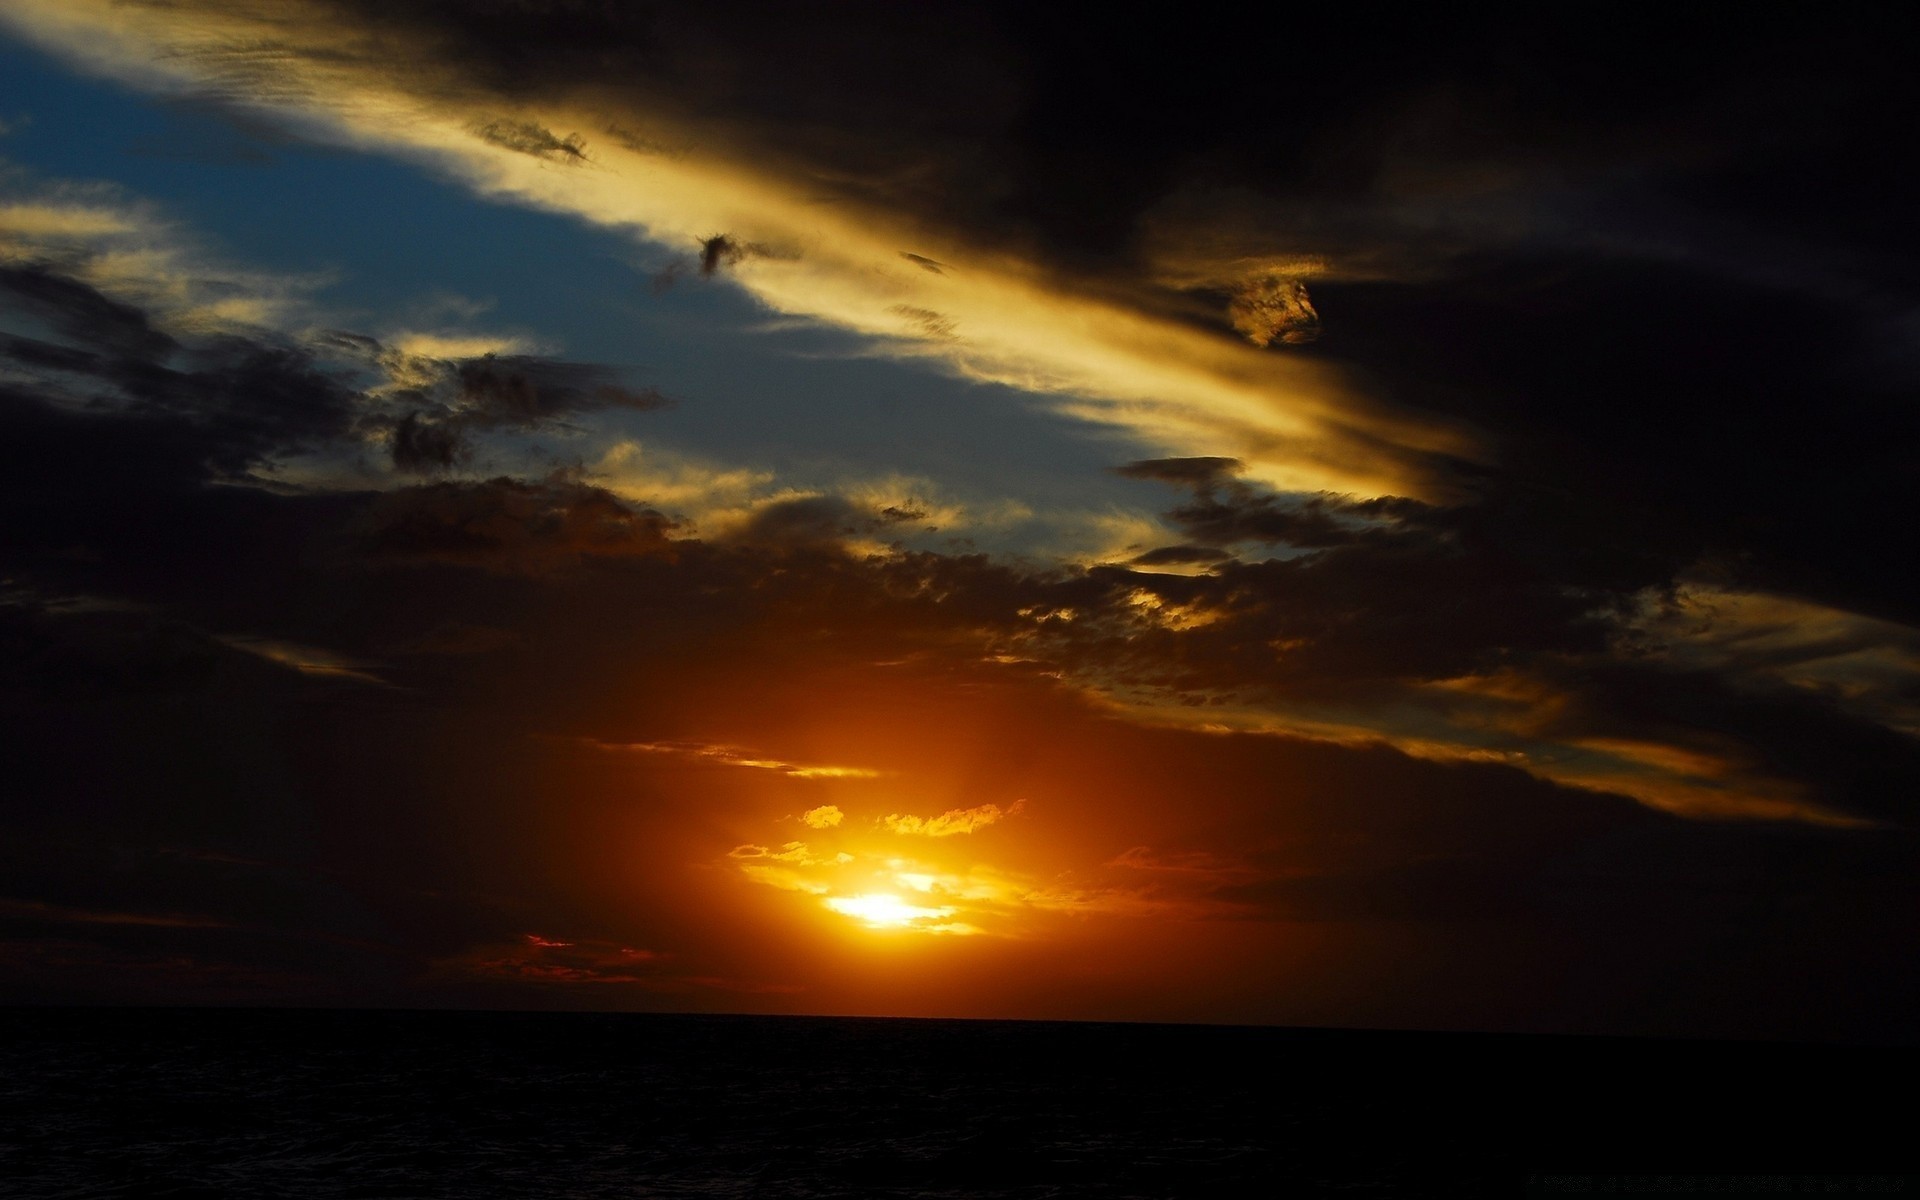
{"x":199,"y":1103}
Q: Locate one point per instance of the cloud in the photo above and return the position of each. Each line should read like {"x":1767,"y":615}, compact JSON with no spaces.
{"x":893,"y":894}
{"x":824,"y":817}
{"x":1200,"y":472}
{"x":1097,"y":351}
{"x":1174,"y":556}
{"x":1473,"y":857}
{"x":308,"y":660}
{"x":1205,"y":865}
{"x":421,"y":446}
{"x":159,"y":341}
{"x":527,"y":137}
{"x":37,"y":911}
{"x":549,"y":961}
{"x":246,"y":399}
{"x":61,"y":236}
{"x":1274,"y":308}
{"x":926,"y":322}
{"x":82,"y":313}
{"x":737,"y":756}
{"x":953,"y":821}
{"x":853,"y":519}
{"x":865,"y":514}
{"x":721,"y":250}
{"x":441,"y":389}
{"x":403,"y":353}
{"x":508,"y":525}
{"x":1377,"y":623}
{"x":795,"y":853}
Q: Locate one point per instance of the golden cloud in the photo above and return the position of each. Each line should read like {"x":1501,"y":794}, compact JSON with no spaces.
{"x":951,"y":822}
{"x":1001,"y":318}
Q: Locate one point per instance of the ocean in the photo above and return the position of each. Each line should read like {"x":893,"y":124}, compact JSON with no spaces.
{"x":174,"y":1104}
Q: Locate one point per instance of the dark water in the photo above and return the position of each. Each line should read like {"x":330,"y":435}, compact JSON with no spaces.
{"x":200,"y":1103}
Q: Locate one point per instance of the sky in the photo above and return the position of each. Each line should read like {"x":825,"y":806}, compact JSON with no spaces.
{"x":962,"y":510}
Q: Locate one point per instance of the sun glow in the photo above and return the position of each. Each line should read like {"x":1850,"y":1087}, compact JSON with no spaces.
{"x":851,"y":865}
{"x":882,"y":910}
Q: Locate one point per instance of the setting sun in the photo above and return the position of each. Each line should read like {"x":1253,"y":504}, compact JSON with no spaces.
{"x":884,"y":911}
{"x":710,"y":508}
{"x":957,"y":598}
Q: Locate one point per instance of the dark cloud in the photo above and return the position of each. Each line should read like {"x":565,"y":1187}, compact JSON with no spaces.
{"x":48,"y":654}
{"x":1652,"y":408}
{"x":432,"y":429}
{"x":820,"y":522}
{"x":1165,"y":556}
{"x":493,"y":392}
{"x":1224,"y":510}
{"x":526,"y":137}
{"x":421,"y":446}
{"x":74,"y":310}
{"x":246,"y":400}
{"x":256,"y":396}
{"x":523,"y":391}
{"x":509,"y":525}
{"x":1205,"y":471}
{"x":720,"y":251}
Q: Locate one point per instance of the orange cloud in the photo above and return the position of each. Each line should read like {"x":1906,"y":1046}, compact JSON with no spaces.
{"x":538,"y":959}
{"x":953,"y":821}
{"x":737,"y":756}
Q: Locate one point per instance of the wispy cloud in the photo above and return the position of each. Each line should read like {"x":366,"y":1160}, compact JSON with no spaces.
{"x":308,"y":660}
{"x":738,"y":756}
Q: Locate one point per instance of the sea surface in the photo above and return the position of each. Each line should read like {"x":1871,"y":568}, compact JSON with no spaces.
{"x":177,"y":1103}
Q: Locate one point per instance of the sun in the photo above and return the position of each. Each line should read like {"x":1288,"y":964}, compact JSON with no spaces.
{"x":882,"y":910}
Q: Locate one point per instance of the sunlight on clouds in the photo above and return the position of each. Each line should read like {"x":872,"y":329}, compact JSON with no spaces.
{"x":43,"y":223}
{"x":791,"y":852}
{"x":947,"y":824}
{"x":736,"y":756}
{"x":1445,"y":722}
{"x":1178,"y":389}
{"x":308,"y":660}
{"x":859,"y":874}
{"x":1116,"y":535}
{"x":825,"y":817}
{"x":704,"y":493}
{"x":1862,"y":664}
{"x":121,"y":248}
{"x":725,"y":501}
{"x":459,"y":345}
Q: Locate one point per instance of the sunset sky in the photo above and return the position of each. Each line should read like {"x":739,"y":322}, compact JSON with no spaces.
{"x":962,"y":510}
